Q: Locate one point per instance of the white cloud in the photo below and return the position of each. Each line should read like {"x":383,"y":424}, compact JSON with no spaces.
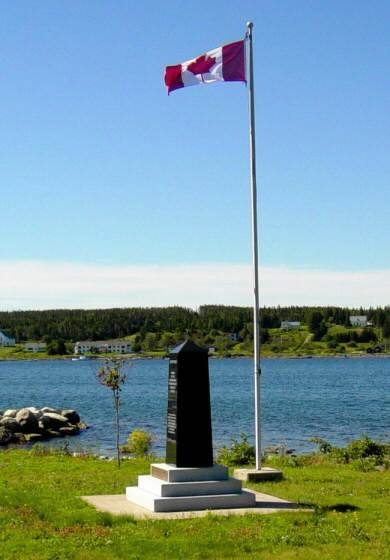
{"x":43,"y":285}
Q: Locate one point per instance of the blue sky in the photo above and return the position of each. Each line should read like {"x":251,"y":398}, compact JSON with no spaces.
{"x":99,"y":167}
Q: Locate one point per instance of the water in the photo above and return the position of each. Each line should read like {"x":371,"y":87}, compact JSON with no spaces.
{"x":337,"y":399}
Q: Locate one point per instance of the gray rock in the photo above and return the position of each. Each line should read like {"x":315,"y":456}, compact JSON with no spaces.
{"x":11,"y":424}
{"x":52,"y":421}
{"x":27,"y":421}
{"x":6,"y":436}
{"x":33,"y":437}
{"x":46,"y":409}
{"x":71,"y":415}
{"x":54,"y":433}
{"x":11,"y":413}
{"x":37,"y":413}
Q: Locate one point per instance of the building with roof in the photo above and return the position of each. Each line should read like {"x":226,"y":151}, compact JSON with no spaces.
{"x":35,"y":346}
{"x":6,"y":340}
{"x":104,"y":346}
{"x":358,"y":320}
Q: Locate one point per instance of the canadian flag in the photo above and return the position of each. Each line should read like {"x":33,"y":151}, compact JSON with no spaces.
{"x":224,"y":64}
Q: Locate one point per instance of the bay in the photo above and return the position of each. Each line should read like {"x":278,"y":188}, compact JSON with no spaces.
{"x":337,"y":399}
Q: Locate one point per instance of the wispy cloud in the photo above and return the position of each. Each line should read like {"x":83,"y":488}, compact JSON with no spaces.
{"x":43,"y":285}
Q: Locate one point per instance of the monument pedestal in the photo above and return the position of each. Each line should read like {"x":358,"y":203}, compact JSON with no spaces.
{"x":169,"y":488}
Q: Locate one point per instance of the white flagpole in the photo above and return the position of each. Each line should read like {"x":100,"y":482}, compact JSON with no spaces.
{"x":256,"y":310}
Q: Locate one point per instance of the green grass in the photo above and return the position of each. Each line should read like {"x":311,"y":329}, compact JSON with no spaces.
{"x":42,"y":516}
{"x":19,"y":353}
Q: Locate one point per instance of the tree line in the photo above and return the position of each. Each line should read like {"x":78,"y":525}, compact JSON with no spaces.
{"x":101,"y":324}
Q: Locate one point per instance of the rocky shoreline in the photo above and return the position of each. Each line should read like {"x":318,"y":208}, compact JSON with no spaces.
{"x":31,"y":424}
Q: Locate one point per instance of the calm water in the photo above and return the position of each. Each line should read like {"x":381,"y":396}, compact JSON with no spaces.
{"x":338,"y":399}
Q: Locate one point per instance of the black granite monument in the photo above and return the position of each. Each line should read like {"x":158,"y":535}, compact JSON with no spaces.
{"x":189,"y":436}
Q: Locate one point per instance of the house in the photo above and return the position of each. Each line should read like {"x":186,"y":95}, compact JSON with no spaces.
{"x":106,"y":346}
{"x":358,"y":320}
{"x":35,"y":346}
{"x":290,"y":325}
{"x":6,"y":340}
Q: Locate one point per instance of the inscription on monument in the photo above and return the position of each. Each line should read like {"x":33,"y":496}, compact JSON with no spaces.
{"x":172,"y":402}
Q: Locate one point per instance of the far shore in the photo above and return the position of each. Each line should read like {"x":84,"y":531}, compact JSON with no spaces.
{"x":133,"y":357}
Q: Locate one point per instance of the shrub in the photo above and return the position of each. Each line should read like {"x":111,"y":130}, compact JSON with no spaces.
{"x":139,"y":443}
{"x":323,"y":445}
{"x":365,"y":464}
{"x":339,"y":455}
{"x":366,"y":447}
{"x":240,"y":452}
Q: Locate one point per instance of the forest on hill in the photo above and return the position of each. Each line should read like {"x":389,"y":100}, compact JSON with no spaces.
{"x":99,"y":324}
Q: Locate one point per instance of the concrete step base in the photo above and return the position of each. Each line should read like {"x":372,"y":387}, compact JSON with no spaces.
{"x":197,"y":488}
{"x":171,"y":473}
{"x":147,"y":500}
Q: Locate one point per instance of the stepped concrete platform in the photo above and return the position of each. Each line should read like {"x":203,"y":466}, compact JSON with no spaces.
{"x":170,"y":492}
{"x":169,"y":488}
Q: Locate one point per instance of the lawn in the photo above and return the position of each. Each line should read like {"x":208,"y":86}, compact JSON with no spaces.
{"x":42,"y":516}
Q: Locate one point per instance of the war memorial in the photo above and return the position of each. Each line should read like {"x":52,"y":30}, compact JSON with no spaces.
{"x":189,"y":481}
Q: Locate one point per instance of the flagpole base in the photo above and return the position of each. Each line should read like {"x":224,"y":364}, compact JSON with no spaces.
{"x":258,"y":475}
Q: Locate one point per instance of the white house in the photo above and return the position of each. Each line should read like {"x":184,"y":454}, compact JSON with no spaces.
{"x":35,"y":346}
{"x":106,"y":346}
{"x":358,"y":320}
{"x":6,"y":340}
{"x":290,"y":325}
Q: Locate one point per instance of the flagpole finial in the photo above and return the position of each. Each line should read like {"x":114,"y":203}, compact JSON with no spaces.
{"x":249,"y":24}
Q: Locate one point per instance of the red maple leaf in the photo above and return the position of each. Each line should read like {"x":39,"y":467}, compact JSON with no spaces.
{"x":201,"y":65}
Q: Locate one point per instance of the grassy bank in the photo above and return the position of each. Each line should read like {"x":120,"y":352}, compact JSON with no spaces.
{"x":42,"y":516}
{"x":312,"y":350}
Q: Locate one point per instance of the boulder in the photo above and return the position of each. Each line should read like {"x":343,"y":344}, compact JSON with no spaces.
{"x":6,"y":436}
{"x":54,"y":433}
{"x":71,"y":415}
{"x":52,"y":421}
{"x":27,"y":421}
{"x":37,"y":413}
{"x":11,"y":412}
{"x":11,"y":424}
{"x":32,"y":424}
{"x":33,"y":437}
{"x":50,"y":409}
